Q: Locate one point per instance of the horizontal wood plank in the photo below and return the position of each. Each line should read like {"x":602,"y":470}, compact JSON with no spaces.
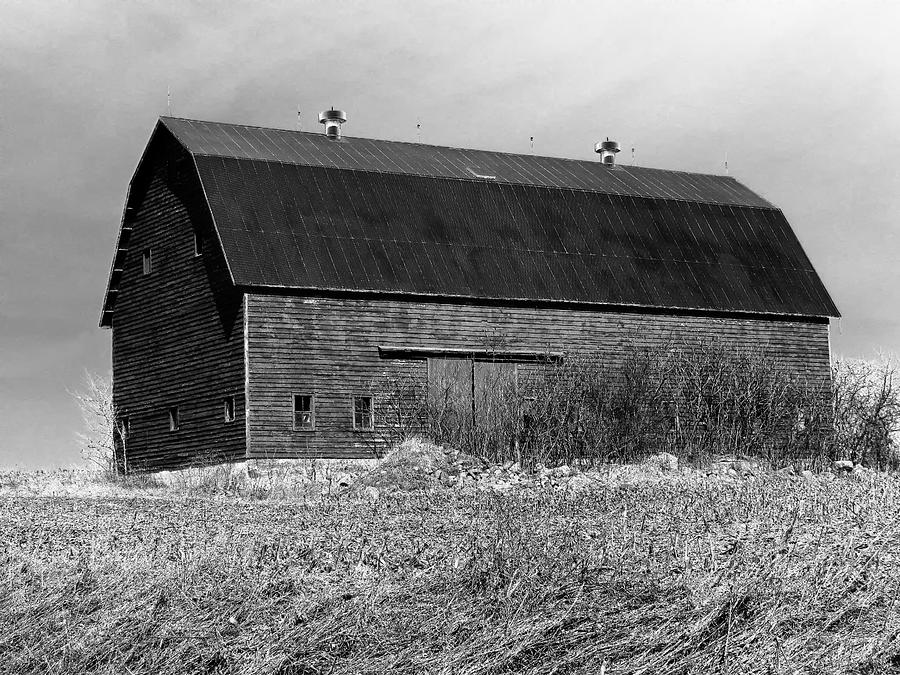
{"x":178,"y":332}
{"x":330,"y":346}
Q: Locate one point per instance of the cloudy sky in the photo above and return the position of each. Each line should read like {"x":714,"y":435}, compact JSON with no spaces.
{"x":802,"y":98}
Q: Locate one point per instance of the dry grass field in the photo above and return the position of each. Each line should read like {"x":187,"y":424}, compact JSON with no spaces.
{"x":628,"y":571}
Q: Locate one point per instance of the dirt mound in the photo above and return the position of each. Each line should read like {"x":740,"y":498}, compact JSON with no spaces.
{"x":413,"y":464}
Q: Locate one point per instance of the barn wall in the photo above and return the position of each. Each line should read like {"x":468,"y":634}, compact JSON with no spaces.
{"x":178,"y":333}
{"x":328,"y":347}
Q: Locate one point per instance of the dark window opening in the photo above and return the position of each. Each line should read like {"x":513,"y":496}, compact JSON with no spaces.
{"x":176,"y":170}
{"x":363,"y":413}
{"x":304,"y":413}
{"x":173,"y":418}
{"x":198,"y":244}
{"x":228,"y":405}
{"x":148,"y":261}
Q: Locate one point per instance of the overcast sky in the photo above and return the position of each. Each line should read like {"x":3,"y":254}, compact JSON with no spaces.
{"x":803,"y":98}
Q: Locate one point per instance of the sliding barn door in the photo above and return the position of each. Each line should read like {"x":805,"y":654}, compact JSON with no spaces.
{"x":462,"y":391}
{"x":450,"y":393}
{"x":495,"y":381}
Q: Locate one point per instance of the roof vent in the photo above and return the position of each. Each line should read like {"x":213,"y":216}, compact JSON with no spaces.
{"x":332,"y":119}
{"x":607,"y":150}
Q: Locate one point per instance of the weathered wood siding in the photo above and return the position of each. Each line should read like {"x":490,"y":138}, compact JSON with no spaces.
{"x":177,"y":334}
{"x":328,"y":347}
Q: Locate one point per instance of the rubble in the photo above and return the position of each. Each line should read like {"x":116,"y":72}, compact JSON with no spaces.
{"x":861,"y":472}
{"x":418,"y":464}
{"x":664,"y":461}
{"x":736,"y":466}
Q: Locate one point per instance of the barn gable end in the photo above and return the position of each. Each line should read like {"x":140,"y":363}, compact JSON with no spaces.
{"x":178,"y":329}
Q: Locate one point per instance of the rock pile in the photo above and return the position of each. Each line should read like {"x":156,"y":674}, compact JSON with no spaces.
{"x":734,"y":467}
{"x":417,"y":464}
{"x":848,"y":468}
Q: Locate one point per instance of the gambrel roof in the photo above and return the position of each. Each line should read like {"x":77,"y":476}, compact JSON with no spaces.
{"x":300,"y":211}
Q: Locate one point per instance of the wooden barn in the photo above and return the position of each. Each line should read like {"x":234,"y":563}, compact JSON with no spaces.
{"x":262,"y":278}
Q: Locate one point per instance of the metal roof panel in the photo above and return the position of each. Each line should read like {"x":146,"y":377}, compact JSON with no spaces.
{"x":364,"y":154}
{"x":296,"y":226}
{"x":299,"y":210}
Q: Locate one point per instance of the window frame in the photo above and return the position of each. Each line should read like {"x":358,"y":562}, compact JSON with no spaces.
{"x":147,"y":261}
{"x":174,"y":415}
{"x":231,"y":400}
{"x":353,"y":398}
{"x":312,"y":410}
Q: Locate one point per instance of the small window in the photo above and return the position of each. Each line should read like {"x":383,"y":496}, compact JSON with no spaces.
{"x":198,"y":244}
{"x":148,"y":261}
{"x":228,"y":405}
{"x":304,"y":412}
{"x":363,"y":419}
{"x":173,"y":418}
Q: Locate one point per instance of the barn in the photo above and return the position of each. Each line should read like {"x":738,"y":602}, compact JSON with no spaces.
{"x":262,"y":278}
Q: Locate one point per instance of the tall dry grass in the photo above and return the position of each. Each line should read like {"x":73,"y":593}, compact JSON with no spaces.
{"x":683,"y":575}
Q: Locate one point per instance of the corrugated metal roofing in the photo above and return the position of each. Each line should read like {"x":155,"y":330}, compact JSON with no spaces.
{"x":335,"y":229}
{"x":364,"y":154}
{"x":300,"y":211}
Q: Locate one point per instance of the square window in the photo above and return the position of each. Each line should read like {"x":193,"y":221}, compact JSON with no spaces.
{"x":304,"y":412}
{"x":198,"y":244}
{"x":173,"y":418}
{"x":148,"y":261}
{"x":228,"y":405}
{"x":363,"y":418}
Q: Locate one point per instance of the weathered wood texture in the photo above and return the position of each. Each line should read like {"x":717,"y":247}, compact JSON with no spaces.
{"x":328,"y":346}
{"x":177,"y":333}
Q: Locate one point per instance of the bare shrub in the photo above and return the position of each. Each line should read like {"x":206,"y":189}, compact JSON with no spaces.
{"x":697,"y":400}
{"x":728,"y":401}
{"x":867,"y":410}
{"x":701,"y":400}
{"x":400,"y":410}
{"x":583,"y":409}
{"x":104,"y":437}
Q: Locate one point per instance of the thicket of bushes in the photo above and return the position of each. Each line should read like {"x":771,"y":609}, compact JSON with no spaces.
{"x":696,"y":401}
